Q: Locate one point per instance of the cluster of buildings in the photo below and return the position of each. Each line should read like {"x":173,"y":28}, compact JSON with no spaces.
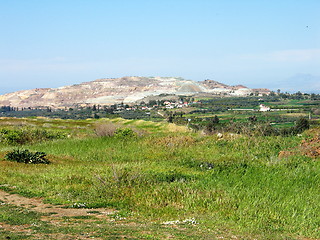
{"x":171,"y":105}
{"x":165,"y":104}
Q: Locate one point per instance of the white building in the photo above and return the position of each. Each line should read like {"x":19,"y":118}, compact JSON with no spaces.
{"x":264,"y":108}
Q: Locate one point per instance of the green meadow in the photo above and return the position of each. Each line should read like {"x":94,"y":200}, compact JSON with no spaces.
{"x":162,"y":180}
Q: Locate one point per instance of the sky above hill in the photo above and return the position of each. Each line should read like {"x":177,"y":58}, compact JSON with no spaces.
{"x":273,"y":44}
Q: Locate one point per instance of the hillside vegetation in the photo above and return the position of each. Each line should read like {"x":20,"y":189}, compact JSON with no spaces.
{"x":162,"y":180}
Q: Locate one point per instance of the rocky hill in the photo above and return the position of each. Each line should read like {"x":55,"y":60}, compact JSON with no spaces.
{"x":108,"y":91}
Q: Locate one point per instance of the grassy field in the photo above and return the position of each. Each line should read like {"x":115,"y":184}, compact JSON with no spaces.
{"x":164,"y":182}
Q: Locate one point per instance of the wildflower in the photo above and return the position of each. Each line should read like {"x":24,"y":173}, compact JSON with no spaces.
{"x":79,"y":205}
{"x":186,"y":221}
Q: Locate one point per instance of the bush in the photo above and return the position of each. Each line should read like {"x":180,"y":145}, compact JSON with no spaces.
{"x":110,"y":129}
{"x":125,"y":132}
{"x":265,"y":130}
{"x":194,"y":127}
{"x":12,"y":136}
{"x":107,"y":129}
{"x":23,"y":136}
{"x":301,"y":125}
{"x":25,"y":156}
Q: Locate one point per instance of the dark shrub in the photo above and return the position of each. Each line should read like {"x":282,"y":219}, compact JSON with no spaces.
{"x":25,"y":156}
{"x":301,"y":125}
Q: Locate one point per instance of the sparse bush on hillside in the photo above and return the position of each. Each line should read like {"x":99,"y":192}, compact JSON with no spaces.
{"x":106,"y":129}
{"x":110,"y":129}
{"x":194,"y":127}
{"x":301,"y":125}
{"x":25,"y":156}
{"x":125,"y":132}
{"x":265,"y":130}
{"x":239,"y":128}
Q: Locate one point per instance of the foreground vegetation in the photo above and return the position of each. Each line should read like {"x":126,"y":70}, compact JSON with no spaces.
{"x":163,"y":180}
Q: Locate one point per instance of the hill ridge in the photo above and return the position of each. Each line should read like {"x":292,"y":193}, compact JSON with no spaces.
{"x":128,"y":89}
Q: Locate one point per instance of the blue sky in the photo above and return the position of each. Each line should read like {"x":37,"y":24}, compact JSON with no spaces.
{"x":255,"y":43}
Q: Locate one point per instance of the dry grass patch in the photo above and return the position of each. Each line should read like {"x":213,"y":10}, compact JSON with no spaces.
{"x":175,"y":128}
{"x":105,"y":129}
{"x":174,"y":141}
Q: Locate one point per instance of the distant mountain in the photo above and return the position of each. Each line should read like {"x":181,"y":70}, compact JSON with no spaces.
{"x":306,"y":83}
{"x":108,"y":91}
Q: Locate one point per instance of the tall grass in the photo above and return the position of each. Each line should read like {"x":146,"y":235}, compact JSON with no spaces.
{"x":234,"y":181}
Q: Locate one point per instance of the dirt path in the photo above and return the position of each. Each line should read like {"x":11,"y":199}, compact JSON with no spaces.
{"x":36,"y":204}
{"x":52,"y":214}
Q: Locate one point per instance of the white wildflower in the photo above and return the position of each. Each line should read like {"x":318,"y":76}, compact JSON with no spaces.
{"x":79,"y":205}
{"x":186,"y":221}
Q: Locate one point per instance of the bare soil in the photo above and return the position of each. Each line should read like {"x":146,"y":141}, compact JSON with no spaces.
{"x":52,"y":214}
{"x":37,"y":205}
{"x":308,"y":147}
